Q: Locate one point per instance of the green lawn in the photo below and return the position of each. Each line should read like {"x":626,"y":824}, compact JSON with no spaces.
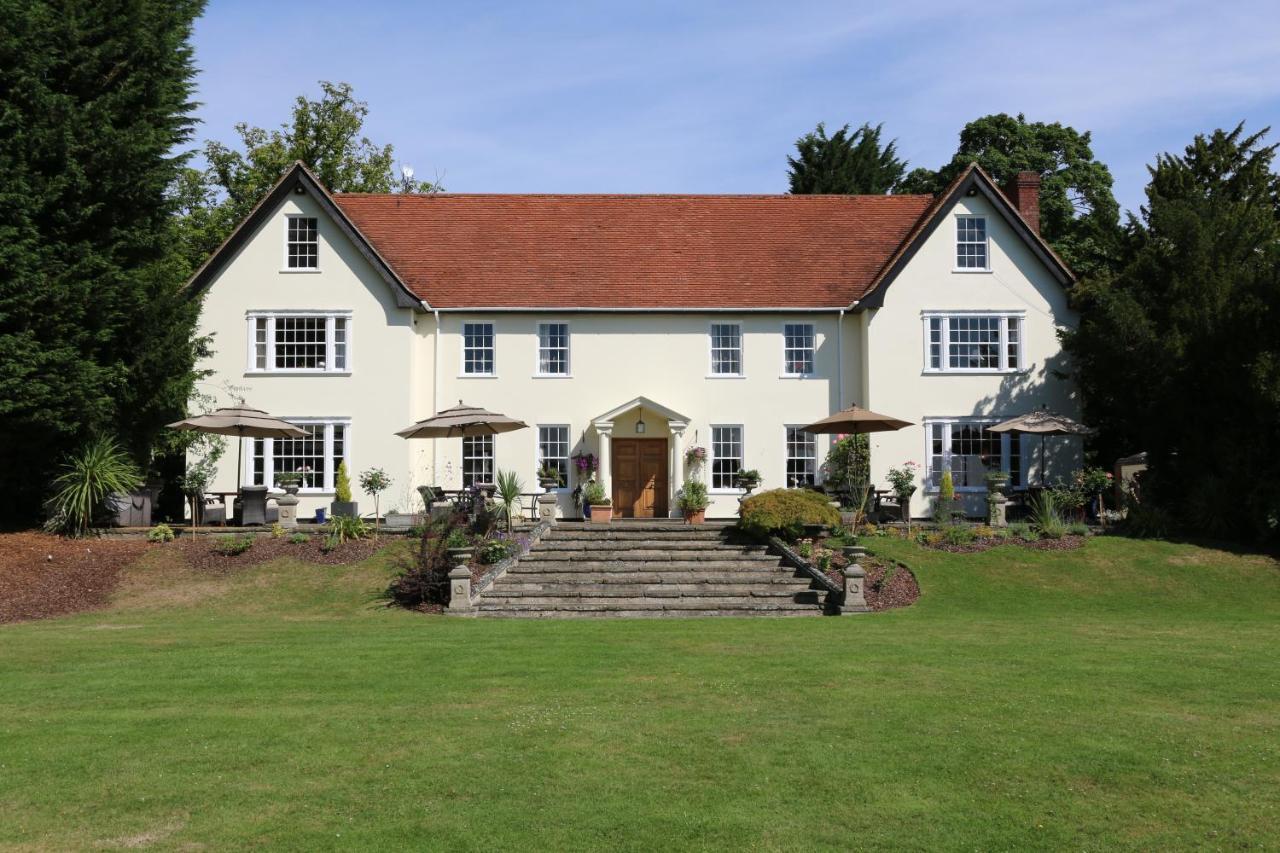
{"x":1123,"y":696}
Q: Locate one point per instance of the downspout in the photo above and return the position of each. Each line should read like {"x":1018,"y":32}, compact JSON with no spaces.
{"x":840,"y":360}
{"x":435,"y":393}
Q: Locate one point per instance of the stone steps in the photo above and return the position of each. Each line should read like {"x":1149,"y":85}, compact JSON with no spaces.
{"x":648,"y":570}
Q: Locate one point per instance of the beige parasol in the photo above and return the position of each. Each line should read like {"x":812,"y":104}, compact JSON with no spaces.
{"x":1042,"y":422}
{"x":462,"y":420}
{"x":241,"y":422}
{"x":855,"y":419}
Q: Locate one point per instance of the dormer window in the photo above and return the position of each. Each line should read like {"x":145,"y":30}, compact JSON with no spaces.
{"x":302,"y":244}
{"x":971,"y":244}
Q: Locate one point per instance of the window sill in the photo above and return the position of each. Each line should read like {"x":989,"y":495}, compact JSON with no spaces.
{"x":726,"y":492}
{"x":477,"y":376}
{"x":551,"y":376}
{"x":301,"y":271}
{"x":972,"y":372}
{"x":726,"y":376}
{"x":798,"y":376}
{"x":297,"y":373}
{"x":971,"y":271}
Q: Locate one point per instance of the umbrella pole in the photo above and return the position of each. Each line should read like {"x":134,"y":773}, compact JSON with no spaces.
{"x":1042,"y":461}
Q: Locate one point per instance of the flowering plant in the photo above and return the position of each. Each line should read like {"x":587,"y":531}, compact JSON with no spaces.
{"x":695,"y":456}
{"x":586,"y":463}
{"x":903,"y":479}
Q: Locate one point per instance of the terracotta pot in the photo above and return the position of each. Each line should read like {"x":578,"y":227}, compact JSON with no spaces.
{"x":695,"y":516}
{"x":601,"y":513}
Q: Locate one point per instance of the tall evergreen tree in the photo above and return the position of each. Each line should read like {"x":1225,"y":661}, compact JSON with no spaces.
{"x":95,"y":96}
{"x":326,"y":134}
{"x":1079,"y":215}
{"x":845,"y":163}
{"x":1178,"y":352}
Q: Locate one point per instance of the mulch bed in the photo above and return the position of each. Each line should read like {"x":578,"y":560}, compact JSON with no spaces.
{"x":199,"y":553}
{"x":1066,"y":543}
{"x":42,"y":575}
{"x":900,"y":590}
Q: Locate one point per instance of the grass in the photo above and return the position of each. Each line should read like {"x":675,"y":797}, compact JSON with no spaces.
{"x":1122,"y":696}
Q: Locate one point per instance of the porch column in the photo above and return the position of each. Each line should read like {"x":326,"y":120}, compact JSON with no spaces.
{"x":606,"y":437}
{"x":677,"y":465}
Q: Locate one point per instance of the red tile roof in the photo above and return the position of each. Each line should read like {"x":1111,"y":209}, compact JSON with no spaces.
{"x":638,"y":251}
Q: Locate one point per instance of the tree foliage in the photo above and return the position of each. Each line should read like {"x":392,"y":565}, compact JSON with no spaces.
{"x":327,"y":134}
{"x":1177,"y":352}
{"x":1079,"y":215}
{"x":95,"y":98}
{"x":845,"y":163}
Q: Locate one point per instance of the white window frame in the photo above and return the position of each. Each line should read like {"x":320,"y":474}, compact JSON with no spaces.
{"x":568,"y":454}
{"x":331,"y":470}
{"x":945,"y":317}
{"x":985,"y":243}
{"x":284,"y":262}
{"x":711,"y":459}
{"x":568,"y":351}
{"x":711,"y":349}
{"x":492,"y":457}
{"x":493,"y":350}
{"x":813,"y":351}
{"x":251,"y":365}
{"x":787,"y":457}
{"x":1006,"y":451}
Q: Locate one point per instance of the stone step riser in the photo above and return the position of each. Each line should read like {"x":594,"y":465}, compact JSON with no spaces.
{"x":666,"y":590}
{"x":703,"y":578}
{"x":637,"y":603}
{"x":539,"y":556}
{"x":502,"y":613}
{"x":632,"y":536}
{"x":648,"y":544}
{"x":623,"y":566}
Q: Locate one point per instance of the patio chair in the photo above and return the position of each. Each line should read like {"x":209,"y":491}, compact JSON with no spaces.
{"x":212,"y":511}
{"x":251,"y":507}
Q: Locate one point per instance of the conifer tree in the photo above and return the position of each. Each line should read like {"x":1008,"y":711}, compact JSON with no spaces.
{"x":845,"y":163}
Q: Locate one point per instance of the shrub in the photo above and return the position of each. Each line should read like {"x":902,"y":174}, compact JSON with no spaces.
{"x":693,"y":496}
{"x":785,"y":513}
{"x":946,"y":507}
{"x":342,"y":484}
{"x":424,"y":577}
{"x":457,"y":537}
{"x":375,"y":481}
{"x":99,"y":470}
{"x":958,"y":534}
{"x":593,"y":494}
{"x":1146,"y":521}
{"x":847,"y":466}
{"x":805,"y":549}
{"x":342,"y":528}
{"x":232,"y":545}
{"x":1023,"y":531}
{"x":492,"y":551}
{"x":1079,"y":528}
{"x":160,"y":533}
{"x":299,"y":539}
{"x":1045,"y":516}
{"x":277,"y":531}
{"x":509,"y":490}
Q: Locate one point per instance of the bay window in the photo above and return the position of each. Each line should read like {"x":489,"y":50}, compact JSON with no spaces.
{"x":314,"y":457}
{"x":969,"y":450}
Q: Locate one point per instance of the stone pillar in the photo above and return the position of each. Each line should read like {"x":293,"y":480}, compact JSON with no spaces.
{"x":676,"y":466}
{"x":460,"y":589}
{"x":606,"y":437}
{"x":547,"y":502}
{"x":287,"y":507}
{"x":997,"y":509}
{"x":855,"y":596}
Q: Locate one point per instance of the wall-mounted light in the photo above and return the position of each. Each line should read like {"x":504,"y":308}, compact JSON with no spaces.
{"x":640,"y":427}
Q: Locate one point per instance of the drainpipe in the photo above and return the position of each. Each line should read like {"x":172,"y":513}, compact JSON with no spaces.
{"x":840,"y":360}
{"x":435,"y":393}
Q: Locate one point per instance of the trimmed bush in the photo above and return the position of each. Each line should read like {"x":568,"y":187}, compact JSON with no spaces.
{"x":785,"y":513}
{"x":232,"y":545}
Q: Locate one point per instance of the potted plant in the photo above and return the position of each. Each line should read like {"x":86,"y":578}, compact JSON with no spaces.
{"x":693,"y":501}
{"x":459,"y":546}
{"x":374,"y":482}
{"x":548,"y":477}
{"x":694,"y":457}
{"x":342,"y":503}
{"x":748,"y":479}
{"x":601,"y":505}
{"x":290,"y":481}
{"x":903,"y":482}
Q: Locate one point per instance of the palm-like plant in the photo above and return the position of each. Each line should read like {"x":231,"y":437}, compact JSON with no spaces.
{"x":508,"y":493}
{"x":100,"y":469}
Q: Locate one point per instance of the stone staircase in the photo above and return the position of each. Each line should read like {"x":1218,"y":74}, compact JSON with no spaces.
{"x":649,"y":569}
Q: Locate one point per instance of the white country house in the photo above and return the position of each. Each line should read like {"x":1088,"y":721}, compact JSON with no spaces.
{"x":635,"y":327}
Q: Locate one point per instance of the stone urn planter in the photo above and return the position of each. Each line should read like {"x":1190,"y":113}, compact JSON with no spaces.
{"x":601,"y":513}
{"x":548,"y":483}
{"x":695,"y":516}
{"x":460,"y":557}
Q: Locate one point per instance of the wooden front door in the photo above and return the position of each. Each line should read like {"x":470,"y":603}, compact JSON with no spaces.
{"x":639,"y":477}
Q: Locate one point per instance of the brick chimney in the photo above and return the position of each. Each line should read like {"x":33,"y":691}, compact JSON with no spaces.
{"x":1023,"y":192}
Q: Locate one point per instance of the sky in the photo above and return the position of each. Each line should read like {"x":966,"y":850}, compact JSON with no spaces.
{"x":708,"y":97}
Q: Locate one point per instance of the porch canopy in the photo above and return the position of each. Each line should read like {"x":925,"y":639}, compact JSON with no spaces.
{"x":1041,"y":422}
{"x":677,"y":423}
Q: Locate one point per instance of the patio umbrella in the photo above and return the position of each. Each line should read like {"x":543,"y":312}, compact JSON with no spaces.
{"x":855,"y":419}
{"x":1041,"y":422}
{"x":241,"y":422}
{"x":462,"y":420}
